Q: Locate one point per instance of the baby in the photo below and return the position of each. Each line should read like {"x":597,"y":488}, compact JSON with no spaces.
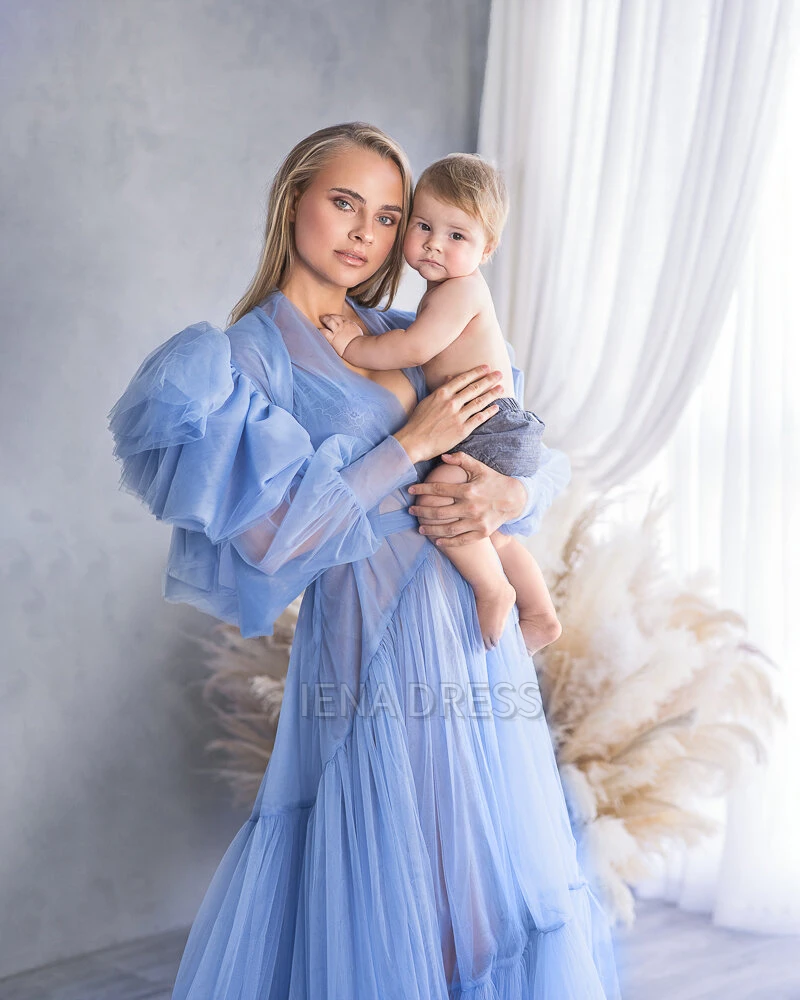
{"x":460,"y":207}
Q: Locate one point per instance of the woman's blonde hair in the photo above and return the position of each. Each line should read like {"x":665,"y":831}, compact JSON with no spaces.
{"x":293,"y":177}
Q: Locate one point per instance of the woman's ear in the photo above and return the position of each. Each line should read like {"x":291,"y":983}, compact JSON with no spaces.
{"x":293,"y":198}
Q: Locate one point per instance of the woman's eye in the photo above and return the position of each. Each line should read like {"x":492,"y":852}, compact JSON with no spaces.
{"x":386,"y":220}
{"x":342,"y":201}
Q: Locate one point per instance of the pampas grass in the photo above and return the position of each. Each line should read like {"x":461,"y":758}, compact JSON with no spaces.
{"x":654,"y":696}
{"x":245,"y":690}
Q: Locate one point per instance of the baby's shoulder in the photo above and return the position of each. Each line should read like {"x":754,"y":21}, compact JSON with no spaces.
{"x":475,"y":287}
{"x":468,"y":282}
{"x":470,"y":288}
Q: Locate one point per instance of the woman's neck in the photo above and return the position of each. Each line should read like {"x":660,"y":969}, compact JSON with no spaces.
{"x":312,"y":298}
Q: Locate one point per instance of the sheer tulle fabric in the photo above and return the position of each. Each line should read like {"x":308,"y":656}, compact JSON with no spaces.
{"x":398,"y":847}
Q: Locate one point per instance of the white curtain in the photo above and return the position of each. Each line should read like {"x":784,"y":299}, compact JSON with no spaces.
{"x":632,"y":135}
{"x":733,"y":468}
{"x":648,"y":280}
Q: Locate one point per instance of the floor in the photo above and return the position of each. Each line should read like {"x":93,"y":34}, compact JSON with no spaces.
{"x":673,"y":955}
{"x":667,"y":955}
{"x":140,"y":970}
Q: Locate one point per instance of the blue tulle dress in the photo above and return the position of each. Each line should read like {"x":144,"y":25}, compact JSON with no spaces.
{"x":410,"y":838}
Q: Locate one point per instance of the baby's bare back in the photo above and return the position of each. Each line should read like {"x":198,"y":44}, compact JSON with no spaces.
{"x":479,"y":343}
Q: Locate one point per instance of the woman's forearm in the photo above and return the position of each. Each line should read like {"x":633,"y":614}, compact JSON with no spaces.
{"x":408,"y":441}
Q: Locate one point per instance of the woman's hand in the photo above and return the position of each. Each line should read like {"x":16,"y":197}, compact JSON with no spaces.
{"x":471,"y":510}
{"x":447,"y":415}
{"x":339,"y":331}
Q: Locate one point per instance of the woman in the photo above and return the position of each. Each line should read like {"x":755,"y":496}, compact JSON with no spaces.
{"x":410,"y":837}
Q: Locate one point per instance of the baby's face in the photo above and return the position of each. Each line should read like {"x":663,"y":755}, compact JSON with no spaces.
{"x":442,"y":241}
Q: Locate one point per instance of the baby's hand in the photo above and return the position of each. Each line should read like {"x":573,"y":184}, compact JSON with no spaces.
{"x":339,"y":331}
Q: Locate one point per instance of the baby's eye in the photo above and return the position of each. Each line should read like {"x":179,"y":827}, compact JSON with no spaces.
{"x":457,"y":236}
{"x":424,"y":227}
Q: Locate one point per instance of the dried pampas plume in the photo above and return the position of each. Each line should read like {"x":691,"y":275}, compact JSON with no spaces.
{"x":654,"y":696}
{"x":245,"y":690}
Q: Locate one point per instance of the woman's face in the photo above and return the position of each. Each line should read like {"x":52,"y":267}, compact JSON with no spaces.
{"x":346,"y":221}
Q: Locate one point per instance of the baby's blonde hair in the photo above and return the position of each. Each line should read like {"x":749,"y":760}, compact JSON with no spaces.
{"x":293,"y":177}
{"x":467,"y":181}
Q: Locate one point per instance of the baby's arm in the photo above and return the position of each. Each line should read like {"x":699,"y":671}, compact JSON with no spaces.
{"x":444,"y":316}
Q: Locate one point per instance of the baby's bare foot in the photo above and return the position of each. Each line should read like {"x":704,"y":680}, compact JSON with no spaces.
{"x":494,"y":604}
{"x":538,"y":630}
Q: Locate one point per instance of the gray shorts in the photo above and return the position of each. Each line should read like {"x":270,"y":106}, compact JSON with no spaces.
{"x":509,"y":442}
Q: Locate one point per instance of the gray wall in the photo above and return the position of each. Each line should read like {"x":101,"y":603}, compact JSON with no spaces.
{"x":139,"y":139}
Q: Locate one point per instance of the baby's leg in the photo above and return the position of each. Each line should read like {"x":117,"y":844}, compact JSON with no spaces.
{"x":537,"y":615}
{"x":480,"y":566}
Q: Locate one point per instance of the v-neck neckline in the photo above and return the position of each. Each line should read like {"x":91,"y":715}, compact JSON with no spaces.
{"x":381,"y":389}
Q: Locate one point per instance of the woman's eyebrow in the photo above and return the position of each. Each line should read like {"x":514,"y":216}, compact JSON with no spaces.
{"x":362,"y":200}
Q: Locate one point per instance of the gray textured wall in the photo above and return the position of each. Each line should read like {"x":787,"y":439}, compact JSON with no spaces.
{"x":139,"y":137}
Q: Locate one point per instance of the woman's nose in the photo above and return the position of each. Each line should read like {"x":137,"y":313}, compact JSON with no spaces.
{"x":363,"y":233}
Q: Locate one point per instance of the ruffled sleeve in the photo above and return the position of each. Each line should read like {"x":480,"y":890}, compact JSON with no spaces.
{"x":554,"y":472}
{"x":257,"y":512}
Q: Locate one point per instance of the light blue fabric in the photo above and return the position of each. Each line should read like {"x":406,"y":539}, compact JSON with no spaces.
{"x":410,"y":837}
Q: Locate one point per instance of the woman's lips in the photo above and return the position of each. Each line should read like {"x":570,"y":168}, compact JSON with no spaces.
{"x":353,"y":259}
